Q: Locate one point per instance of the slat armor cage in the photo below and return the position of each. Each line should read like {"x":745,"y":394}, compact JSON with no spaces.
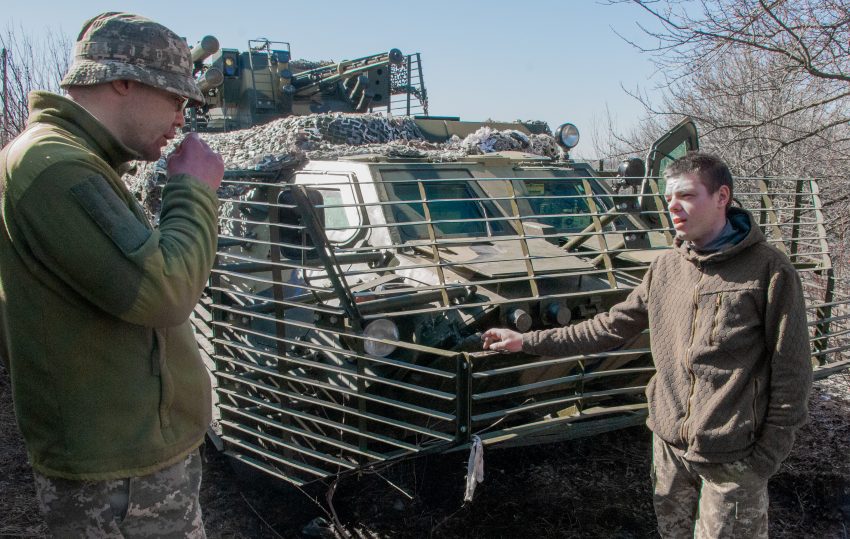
{"x":343,"y":316}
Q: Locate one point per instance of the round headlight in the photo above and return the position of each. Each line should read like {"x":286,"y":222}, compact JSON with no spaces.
{"x":380,"y":329}
{"x":567,"y":135}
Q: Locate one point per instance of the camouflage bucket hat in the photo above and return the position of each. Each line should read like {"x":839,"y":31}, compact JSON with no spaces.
{"x":123,"y":46}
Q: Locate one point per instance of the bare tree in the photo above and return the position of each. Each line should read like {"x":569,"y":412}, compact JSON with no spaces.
{"x":31,"y":64}
{"x":770,"y":76}
{"x":768,"y":82}
{"x":810,"y":36}
{"x":613,"y":145}
{"x":762,"y":117}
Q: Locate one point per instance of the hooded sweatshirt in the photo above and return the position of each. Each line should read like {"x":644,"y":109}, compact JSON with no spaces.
{"x":730,"y":344}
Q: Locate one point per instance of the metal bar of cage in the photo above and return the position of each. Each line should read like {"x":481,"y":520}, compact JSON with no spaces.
{"x":299,"y":393}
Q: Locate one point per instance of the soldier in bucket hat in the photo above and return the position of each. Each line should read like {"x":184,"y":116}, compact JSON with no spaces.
{"x":110,"y":392}
{"x":122,"y":46}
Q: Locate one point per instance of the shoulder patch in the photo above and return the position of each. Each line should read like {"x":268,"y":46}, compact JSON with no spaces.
{"x":111,"y":214}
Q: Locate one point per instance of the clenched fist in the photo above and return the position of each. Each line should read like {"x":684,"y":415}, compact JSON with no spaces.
{"x":195,"y":158}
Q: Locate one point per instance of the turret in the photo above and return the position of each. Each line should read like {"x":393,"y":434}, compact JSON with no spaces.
{"x":243,"y":89}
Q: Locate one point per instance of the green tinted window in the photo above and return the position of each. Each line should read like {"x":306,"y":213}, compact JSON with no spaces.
{"x":455,"y":208}
{"x":565,"y":203}
{"x":339,"y":210}
{"x":563,"y":200}
{"x":335,"y":216}
{"x":678,"y":151}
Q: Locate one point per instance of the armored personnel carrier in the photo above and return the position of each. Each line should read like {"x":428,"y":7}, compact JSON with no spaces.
{"x":343,"y":317}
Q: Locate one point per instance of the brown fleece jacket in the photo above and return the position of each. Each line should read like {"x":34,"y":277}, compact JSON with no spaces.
{"x":730,"y":345}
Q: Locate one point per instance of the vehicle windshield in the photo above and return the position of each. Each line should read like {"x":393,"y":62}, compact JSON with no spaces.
{"x":563,"y":203}
{"x":456,"y":208}
{"x":564,"y":200}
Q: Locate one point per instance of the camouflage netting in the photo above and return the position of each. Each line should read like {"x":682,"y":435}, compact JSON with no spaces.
{"x":290,"y":141}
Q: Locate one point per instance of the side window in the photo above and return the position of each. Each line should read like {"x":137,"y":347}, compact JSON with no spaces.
{"x":338,"y":220}
{"x":342,"y":217}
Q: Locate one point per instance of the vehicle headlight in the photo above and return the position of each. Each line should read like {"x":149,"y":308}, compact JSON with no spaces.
{"x":567,"y":135}
{"x":380,"y":329}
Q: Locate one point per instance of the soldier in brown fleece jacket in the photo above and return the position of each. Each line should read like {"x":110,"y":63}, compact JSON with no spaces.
{"x":730,"y":343}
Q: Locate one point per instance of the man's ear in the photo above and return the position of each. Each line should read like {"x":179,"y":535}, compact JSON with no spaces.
{"x":123,"y":87}
{"x":723,"y":195}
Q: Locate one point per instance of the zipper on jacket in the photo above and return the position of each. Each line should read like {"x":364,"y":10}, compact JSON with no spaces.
{"x":166,"y":384}
{"x":755,"y":410}
{"x":683,"y":432}
{"x":713,"y":338}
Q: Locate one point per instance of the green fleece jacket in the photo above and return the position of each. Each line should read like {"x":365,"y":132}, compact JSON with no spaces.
{"x":731,"y":349}
{"x":106,"y":376}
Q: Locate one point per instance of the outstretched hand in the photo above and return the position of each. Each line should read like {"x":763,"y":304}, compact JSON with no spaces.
{"x":195,"y":158}
{"x":502,"y":340}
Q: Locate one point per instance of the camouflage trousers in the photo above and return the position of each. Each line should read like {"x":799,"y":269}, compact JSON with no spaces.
{"x":162,"y":504}
{"x":701,"y":500}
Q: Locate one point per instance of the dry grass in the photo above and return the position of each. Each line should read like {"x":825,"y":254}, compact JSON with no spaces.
{"x":596,"y":487}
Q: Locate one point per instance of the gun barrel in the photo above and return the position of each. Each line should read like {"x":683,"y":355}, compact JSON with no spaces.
{"x":206,"y":47}
{"x":346,"y":69}
{"x":212,"y":78}
{"x":307,"y":79}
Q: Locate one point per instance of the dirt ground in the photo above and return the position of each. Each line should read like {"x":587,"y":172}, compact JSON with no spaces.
{"x":595,"y":487}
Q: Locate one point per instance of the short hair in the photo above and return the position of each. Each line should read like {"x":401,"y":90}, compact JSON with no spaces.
{"x":711,"y":170}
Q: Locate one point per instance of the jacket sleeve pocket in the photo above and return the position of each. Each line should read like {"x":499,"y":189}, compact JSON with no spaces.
{"x":111,"y":214}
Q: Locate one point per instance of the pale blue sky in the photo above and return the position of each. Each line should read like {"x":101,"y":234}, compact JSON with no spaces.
{"x":550,"y":60}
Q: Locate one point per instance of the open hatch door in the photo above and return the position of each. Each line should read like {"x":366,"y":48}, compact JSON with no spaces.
{"x":672,"y":145}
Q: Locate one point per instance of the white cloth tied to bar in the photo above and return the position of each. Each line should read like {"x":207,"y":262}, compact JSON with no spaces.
{"x":474,"y":468}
